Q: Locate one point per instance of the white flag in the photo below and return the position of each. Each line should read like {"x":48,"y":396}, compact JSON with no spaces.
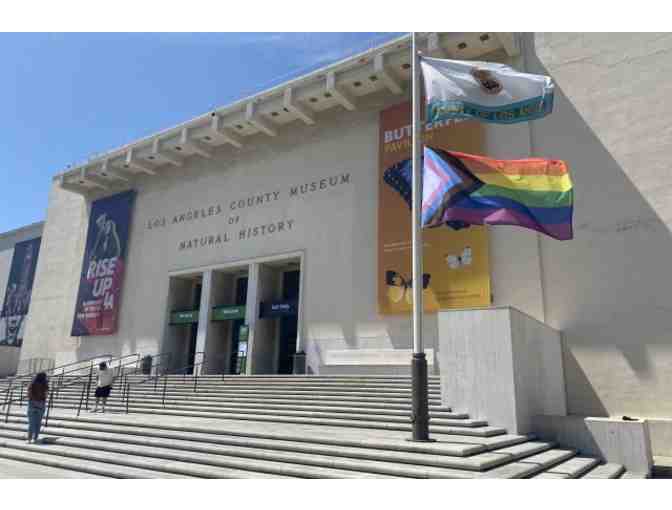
{"x":486,"y":91}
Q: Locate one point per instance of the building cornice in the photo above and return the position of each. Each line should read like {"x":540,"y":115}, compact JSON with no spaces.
{"x":339,"y":85}
{"x":27,"y":229}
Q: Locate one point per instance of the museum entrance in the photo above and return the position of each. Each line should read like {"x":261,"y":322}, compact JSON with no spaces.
{"x":225,"y":349}
{"x":288,"y":323}
{"x":184,"y":298}
{"x":209,"y":330}
{"x":238,"y":357}
{"x":275,"y":332}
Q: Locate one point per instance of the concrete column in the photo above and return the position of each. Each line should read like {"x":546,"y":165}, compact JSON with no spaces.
{"x":218,"y":336}
{"x":252,"y":311}
{"x":300,"y":354}
{"x":204,"y":314}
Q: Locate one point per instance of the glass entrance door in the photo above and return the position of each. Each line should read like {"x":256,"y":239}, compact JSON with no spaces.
{"x":288,"y":324}
{"x":238,"y":347}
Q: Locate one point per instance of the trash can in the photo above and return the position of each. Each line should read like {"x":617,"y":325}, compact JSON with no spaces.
{"x":146,"y":365}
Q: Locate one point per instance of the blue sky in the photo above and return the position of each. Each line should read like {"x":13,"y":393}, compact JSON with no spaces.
{"x":65,"y":97}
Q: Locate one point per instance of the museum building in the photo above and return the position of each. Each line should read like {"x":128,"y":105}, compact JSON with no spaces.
{"x":265,"y":238}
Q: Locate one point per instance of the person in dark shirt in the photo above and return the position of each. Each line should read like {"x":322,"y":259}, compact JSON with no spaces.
{"x":37,"y":402}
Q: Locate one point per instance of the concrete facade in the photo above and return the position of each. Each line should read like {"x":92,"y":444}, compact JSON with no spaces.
{"x":501,"y":365}
{"x":607,"y":291}
{"x":9,"y":356}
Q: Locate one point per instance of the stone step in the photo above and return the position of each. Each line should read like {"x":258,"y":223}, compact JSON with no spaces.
{"x":159,"y":383}
{"x":33,"y":455}
{"x":605,"y":471}
{"x":294,"y":451}
{"x":633,"y":476}
{"x":415,"y":465}
{"x":447,"y":444}
{"x":530,"y":466}
{"x":480,"y":431}
{"x":244,"y":379}
{"x":572,"y":468}
{"x":344,"y":401}
{"x":434,"y":398}
{"x":261,"y":410}
{"x":187,"y":463}
{"x":315,"y":386}
{"x":224,"y":405}
{"x":20,"y":469}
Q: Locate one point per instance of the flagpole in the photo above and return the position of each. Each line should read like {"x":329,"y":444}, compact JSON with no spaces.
{"x":420,"y":405}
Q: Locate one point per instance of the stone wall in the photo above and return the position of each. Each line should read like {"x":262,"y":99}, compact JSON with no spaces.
{"x":610,"y":289}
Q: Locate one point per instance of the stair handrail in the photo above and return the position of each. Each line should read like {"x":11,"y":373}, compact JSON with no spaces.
{"x":54,"y":389}
{"x":30,"y":376}
{"x":24,"y":382}
{"x":58,"y":383}
{"x":127,"y":388}
{"x":31,"y":361}
{"x":153,"y":366}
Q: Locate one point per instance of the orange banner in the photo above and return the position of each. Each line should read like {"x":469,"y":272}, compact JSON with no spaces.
{"x":455,"y":263}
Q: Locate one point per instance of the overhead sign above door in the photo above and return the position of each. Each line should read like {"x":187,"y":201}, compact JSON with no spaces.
{"x":228,"y":313}
{"x":278,"y":309}
{"x":184,"y":317}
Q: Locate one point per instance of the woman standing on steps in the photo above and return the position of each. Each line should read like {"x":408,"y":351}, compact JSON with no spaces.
{"x":105,"y":380}
{"x":37,"y":401}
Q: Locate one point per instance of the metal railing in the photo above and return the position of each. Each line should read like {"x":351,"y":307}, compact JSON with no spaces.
{"x":155,"y":366}
{"x":60,"y":382}
{"x":196,"y":372}
{"x":42,"y":364}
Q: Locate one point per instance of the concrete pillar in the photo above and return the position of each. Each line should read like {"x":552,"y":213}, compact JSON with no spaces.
{"x":299,"y":365}
{"x":218,"y":334}
{"x":204,"y":315}
{"x":252,"y":311}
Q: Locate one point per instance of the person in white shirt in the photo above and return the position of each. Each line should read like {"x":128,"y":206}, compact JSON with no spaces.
{"x":105,"y":380}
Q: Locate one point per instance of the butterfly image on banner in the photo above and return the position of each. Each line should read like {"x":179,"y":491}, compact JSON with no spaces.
{"x":400,"y":288}
{"x":459,"y":261}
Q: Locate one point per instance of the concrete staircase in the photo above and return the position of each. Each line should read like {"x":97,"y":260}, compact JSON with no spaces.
{"x":283,"y":426}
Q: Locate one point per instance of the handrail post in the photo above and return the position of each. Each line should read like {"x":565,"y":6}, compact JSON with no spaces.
{"x":128,"y":395}
{"x":165,"y":386}
{"x":81,"y":398}
{"x":49,"y":404}
{"x":88,"y":390}
{"x":9,"y":406}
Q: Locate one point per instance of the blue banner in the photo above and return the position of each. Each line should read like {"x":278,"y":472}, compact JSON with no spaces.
{"x":101,"y":281}
{"x":19,"y":289}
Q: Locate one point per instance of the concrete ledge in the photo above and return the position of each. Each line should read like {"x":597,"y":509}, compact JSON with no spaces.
{"x":613,"y":440}
{"x":372,"y":357}
{"x":501,"y":365}
{"x":660,"y":430}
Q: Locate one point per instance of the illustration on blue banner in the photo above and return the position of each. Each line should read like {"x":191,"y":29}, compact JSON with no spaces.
{"x":19,"y":288}
{"x":98,"y":299}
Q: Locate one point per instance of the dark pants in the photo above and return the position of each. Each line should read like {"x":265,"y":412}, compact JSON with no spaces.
{"x":35,"y":413}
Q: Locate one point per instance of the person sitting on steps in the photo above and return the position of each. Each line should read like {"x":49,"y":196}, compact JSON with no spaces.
{"x":104,"y":386}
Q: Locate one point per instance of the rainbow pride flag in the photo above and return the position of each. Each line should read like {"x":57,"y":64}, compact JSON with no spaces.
{"x":532,"y":193}
{"x":462,"y":189}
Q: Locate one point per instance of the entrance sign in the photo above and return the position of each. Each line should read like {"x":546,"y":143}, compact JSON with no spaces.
{"x":99,"y":296}
{"x":456,"y":262}
{"x":19,"y":289}
{"x":185,"y":317}
{"x":228,"y":313}
{"x":278,"y":309}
